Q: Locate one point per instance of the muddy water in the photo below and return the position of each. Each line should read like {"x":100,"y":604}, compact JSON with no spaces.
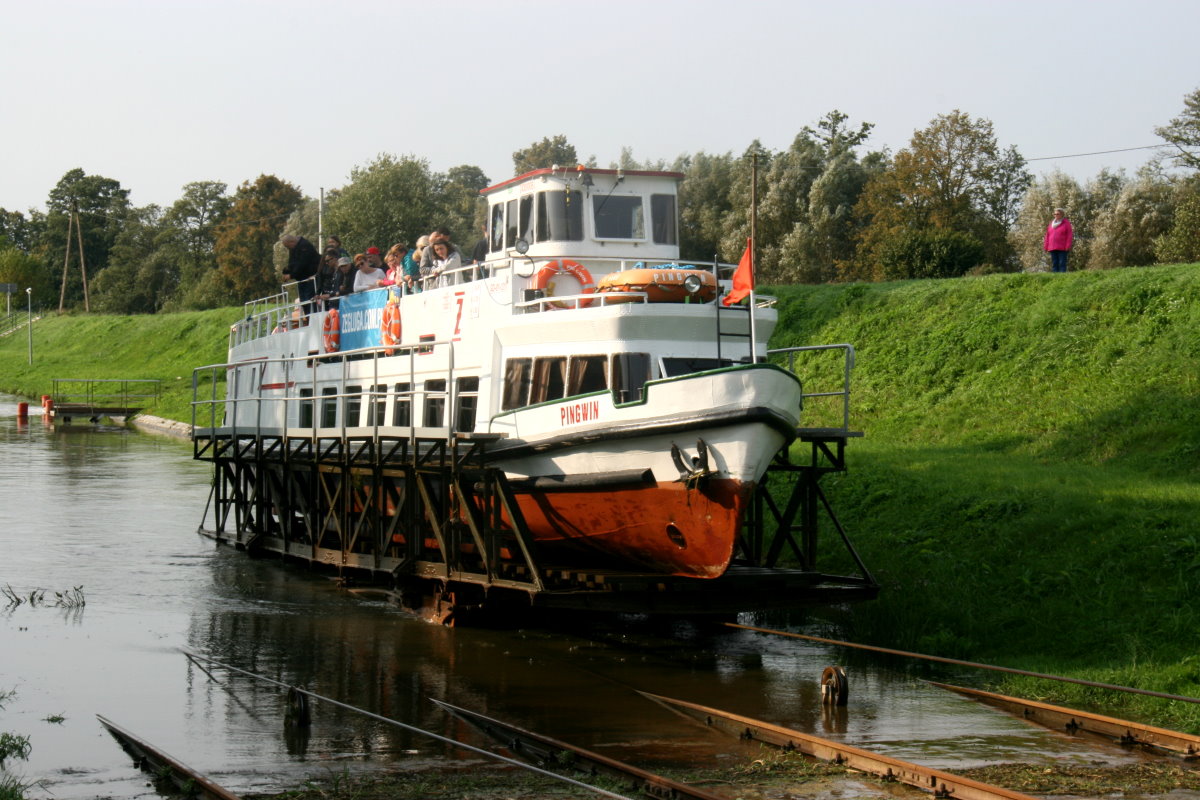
{"x":115,"y":512}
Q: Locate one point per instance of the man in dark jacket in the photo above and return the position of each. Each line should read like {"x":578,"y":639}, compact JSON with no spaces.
{"x":303,"y":261}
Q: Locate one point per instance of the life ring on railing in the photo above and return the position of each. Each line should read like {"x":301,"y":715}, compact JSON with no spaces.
{"x":332,"y":331}
{"x":544,"y":280}
{"x":389,"y":329}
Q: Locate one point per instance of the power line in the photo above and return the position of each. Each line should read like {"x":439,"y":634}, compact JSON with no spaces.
{"x":1101,"y":152}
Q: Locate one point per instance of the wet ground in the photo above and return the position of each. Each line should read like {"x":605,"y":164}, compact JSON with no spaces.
{"x":115,"y":513}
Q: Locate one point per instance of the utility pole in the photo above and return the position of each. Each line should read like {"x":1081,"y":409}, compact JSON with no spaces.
{"x":73,"y":218}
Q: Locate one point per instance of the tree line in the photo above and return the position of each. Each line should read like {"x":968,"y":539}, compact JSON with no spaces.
{"x":952,"y":202}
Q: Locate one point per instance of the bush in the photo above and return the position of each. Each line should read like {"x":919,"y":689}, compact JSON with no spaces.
{"x":1181,"y":244}
{"x":930,"y":253}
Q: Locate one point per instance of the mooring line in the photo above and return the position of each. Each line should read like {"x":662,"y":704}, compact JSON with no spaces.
{"x":975,"y":664}
{"x":410,"y":728}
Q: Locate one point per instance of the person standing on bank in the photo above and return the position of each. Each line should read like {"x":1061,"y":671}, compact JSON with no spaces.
{"x":1059,"y":238}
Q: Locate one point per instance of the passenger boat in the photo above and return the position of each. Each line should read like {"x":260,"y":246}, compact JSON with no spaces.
{"x":628,"y":410}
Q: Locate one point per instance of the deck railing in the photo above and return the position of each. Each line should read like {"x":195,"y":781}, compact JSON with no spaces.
{"x":847,"y":365}
{"x":107,"y":392}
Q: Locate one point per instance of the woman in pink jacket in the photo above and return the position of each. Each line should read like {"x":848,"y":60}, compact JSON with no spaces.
{"x":1059,"y":238}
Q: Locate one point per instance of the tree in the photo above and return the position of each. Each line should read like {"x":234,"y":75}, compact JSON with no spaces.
{"x":102,"y":206}
{"x":144,"y":265}
{"x":1184,"y":132}
{"x":705,"y":200}
{"x":1181,"y":244}
{"x":194,"y":217}
{"x":459,"y":206}
{"x":951,"y":177}
{"x":27,"y":273}
{"x":17,"y":230}
{"x":1125,"y":232}
{"x":245,"y":243}
{"x":389,"y":200}
{"x":546,"y":153}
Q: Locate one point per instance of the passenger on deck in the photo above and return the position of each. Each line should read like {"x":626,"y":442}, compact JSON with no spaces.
{"x":303,"y":260}
{"x":368,"y":276}
{"x":335,"y":243}
{"x":439,"y":235}
{"x":418,"y":253}
{"x":337,"y":284}
{"x":444,"y":259}
{"x":374,"y":257}
{"x":401,"y":268}
{"x":326,"y":274}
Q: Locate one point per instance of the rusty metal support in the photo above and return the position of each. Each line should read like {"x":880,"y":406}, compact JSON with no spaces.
{"x":941,"y":784}
{"x":158,"y":763}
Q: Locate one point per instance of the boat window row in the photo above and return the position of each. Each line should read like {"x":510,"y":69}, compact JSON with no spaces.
{"x":529,"y":381}
{"x":557,"y":216}
{"x":397,"y":405}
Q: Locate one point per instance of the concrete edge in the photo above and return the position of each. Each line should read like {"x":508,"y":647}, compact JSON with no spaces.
{"x":169,"y":427}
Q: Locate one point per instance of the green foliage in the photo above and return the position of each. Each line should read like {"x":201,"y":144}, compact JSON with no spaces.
{"x":1028,"y":466}
{"x":546,"y":153}
{"x":102,"y":207}
{"x":13,"y":746}
{"x":389,"y":200}
{"x":1184,"y":132}
{"x":1181,"y":243}
{"x":929,"y":253}
{"x":245,"y":244}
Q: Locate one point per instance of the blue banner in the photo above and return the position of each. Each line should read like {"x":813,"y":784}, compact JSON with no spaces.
{"x":360,"y":316}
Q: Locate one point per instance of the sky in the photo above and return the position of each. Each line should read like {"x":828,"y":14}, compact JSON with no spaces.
{"x":159,"y":94}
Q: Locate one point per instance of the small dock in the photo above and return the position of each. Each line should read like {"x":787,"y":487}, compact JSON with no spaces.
{"x":94,"y":398}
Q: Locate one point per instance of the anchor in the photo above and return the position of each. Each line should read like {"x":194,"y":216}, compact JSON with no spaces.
{"x":696,"y":473}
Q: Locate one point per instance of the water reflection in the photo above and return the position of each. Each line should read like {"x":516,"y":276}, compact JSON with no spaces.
{"x":116,"y":512}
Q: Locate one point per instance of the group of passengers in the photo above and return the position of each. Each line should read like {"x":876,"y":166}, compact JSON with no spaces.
{"x":337,"y":274}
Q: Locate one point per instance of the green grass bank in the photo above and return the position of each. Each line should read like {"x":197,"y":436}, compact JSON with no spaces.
{"x":1028,"y":489}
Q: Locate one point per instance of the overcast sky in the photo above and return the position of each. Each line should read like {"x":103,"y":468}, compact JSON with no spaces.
{"x":159,"y":94}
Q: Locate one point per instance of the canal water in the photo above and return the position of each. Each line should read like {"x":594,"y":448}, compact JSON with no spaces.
{"x":109,"y":516}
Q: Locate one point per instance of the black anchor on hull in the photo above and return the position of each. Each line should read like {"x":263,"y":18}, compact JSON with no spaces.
{"x":695,"y":473}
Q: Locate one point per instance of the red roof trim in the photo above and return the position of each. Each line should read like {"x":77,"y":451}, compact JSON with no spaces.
{"x":577,"y":171}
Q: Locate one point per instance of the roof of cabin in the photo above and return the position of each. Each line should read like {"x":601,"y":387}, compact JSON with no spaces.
{"x":580,"y":170}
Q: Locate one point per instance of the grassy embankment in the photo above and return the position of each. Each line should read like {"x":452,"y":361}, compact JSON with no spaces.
{"x":1027,"y":490}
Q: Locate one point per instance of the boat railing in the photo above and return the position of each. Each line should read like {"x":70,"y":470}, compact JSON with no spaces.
{"x":271,"y":314}
{"x":128,"y":393}
{"x":219,"y":411}
{"x":847,"y":351}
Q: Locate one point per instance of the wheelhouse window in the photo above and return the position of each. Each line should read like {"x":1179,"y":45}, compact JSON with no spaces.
{"x":559,"y":216}
{"x":435,"y":403}
{"x":511,"y":224}
{"x":662,"y":218}
{"x":466,"y":401}
{"x":630,"y":373}
{"x":618,"y":216}
{"x":497,"y":228}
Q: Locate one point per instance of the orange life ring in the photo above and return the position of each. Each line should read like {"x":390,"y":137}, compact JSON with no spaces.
{"x":332,"y":331}
{"x":545,"y":280}
{"x":389,"y":329}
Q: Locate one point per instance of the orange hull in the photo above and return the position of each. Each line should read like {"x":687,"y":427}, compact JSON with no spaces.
{"x":665,"y":528}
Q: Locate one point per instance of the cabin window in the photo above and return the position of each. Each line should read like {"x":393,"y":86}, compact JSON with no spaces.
{"x":559,"y":217}
{"x":630,"y":373}
{"x":435,"y":403}
{"x":588,"y":374}
{"x":306,"y":408}
{"x":518,"y":375}
{"x":525,"y":221}
{"x":466,"y":401}
{"x":662,"y":218}
{"x":618,"y":216}
{"x":353,"y":400}
{"x":673,"y":367}
{"x":402,"y":411}
{"x":377,"y":406}
{"x":549,"y":379}
{"x":497,"y":240}
{"x":329,"y":407}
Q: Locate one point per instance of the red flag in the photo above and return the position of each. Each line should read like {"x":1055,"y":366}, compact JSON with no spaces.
{"x":743,"y":279}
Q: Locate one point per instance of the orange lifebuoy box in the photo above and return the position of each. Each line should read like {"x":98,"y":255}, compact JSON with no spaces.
{"x":666,"y":284}
{"x":332,"y":331}
{"x":389,"y":329}
{"x":546,"y":276}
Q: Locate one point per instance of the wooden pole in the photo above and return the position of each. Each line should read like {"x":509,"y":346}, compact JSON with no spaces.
{"x":753,"y":246}
{"x":82,"y":261}
{"x":62,"y":293}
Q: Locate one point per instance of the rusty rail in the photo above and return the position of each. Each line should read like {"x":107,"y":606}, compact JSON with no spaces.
{"x":159,"y":764}
{"x":547,"y":750}
{"x":941,"y":784}
{"x":1073,"y":721}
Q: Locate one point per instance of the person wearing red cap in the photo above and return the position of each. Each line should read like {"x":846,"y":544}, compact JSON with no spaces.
{"x":374,"y":257}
